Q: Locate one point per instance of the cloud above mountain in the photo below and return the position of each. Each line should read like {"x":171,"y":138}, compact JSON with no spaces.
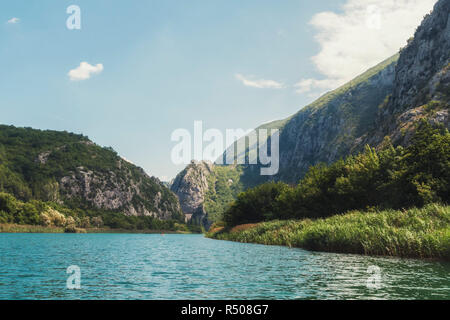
{"x":84,"y":71}
{"x":365,"y":33}
{"x":259,"y":83}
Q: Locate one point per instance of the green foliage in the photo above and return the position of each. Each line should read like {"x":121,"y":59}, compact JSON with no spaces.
{"x":17,"y":212}
{"x":19,"y":228}
{"x":117,"y":220}
{"x":224,"y":185}
{"x":24,"y":175}
{"x":48,"y":214}
{"x":258,"y":204}
{"x":390,"y":178}
{"x":415,"y":233}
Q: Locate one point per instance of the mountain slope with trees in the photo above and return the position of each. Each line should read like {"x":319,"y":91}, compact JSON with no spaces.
{"x":70,"y":170}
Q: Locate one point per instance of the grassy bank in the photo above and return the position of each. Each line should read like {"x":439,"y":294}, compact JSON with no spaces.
{"x":107,"y":230}
{"x":414,"y":233}
{"x":19,"y":228}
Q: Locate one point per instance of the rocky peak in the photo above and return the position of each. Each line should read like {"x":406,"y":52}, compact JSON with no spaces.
{"x":421,"y":88}
{"x":191,"y":186}
{"x":423,"y":58}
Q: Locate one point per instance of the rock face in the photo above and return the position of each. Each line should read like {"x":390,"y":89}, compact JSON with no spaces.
{"x":126,"y":191}
{"x":191,"y":186}
{"x":422,"y":81}
{"x":421,"y":63}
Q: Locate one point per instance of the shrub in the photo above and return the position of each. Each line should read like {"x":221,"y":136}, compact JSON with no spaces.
{"x":51,"y":217}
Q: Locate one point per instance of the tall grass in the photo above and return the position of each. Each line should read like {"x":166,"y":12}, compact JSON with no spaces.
{"x":414,"y":233}
{"x":21,"y":228}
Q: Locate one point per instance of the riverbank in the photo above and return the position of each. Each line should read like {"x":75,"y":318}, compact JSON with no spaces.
{"x":18,"y":228}
{"x":24,"y":228}
{"x":414,"y":233}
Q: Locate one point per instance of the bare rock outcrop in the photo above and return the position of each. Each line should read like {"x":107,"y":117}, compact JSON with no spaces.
{"x":191,"y":186}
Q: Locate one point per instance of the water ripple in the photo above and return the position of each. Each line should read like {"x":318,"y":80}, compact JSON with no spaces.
{"x":130,"y":266}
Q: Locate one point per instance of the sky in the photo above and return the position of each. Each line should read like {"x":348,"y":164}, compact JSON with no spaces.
{"x":135,"y":71}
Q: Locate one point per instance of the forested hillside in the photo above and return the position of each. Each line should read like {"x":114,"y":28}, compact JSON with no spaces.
{"x":71,"y":171}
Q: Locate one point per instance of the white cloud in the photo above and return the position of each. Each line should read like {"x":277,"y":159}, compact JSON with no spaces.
{"x":364,"y":34}
{"x":14,"y":20}
{"x":259,"y":83}
{"x":84,"y":71}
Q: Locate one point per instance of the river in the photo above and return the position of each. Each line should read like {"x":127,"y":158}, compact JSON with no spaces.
{"x":141,"y":266}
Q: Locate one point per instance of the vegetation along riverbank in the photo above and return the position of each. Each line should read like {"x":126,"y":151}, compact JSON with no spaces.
{"x":392,"y":201}
{"x":413,"y":233}
{"x":35,"y":216}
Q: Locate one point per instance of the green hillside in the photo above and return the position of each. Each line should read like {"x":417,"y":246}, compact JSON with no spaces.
{"x":69,"y":170}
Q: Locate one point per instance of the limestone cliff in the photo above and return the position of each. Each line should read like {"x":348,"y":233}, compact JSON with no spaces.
{"x":124,"y":188}
{"x":191,"y":186}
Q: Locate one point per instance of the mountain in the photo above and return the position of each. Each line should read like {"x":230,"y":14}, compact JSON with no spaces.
{"x":326,"y":130}
{"x":70,"y":169}
{"x":384,"y":102}
{"x":322,"y":131}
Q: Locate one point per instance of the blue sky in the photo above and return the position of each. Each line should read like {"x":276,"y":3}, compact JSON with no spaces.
{"x":231,"y":64}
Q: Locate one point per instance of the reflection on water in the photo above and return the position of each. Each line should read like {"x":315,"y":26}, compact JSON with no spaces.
{"x":130,"y":266}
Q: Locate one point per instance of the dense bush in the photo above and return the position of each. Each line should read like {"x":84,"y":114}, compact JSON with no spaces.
{"x":224,"y":184}
{"x":390,"y":178}
{"x":257,"y":204}
{"x":14,"y":211}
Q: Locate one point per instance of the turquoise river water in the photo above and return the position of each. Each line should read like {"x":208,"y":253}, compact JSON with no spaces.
{"x":140,"y":266}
